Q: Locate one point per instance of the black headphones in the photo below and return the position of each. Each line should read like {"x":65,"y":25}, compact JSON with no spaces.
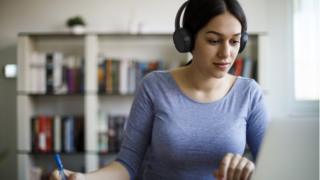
{"x":183,"y":40}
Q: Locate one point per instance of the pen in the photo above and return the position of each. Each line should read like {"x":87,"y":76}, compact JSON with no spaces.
{"x":60,"y":166}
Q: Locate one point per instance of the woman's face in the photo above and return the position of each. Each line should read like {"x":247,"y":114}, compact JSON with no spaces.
{"x":217,"y":45}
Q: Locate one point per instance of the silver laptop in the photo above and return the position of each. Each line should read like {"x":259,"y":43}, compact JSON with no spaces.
{"x":290,"y":150}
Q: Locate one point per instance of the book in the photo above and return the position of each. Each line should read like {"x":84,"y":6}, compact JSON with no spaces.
{"x":101,"y":77}
{"x":42,"y":134}
{"x":49,"y":73}
{"x":247,"y":67}
{"x":57,"y":133}
{"x":123,"y":77}
{"x":238,"y":66}
{"x":73,"y":134}
{"x":109,"y":82}
{"x":57,"y":72}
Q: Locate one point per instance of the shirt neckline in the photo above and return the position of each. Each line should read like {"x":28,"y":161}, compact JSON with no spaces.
{"x":176,"y":86}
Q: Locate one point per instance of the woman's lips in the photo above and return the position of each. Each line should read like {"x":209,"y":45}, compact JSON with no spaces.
{"x":222,"y":66}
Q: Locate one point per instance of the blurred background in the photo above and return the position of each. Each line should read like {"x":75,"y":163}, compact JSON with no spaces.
{"x":132,"y":36}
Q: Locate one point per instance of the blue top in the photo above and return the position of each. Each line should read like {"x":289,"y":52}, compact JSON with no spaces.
{"x":184,"y":139}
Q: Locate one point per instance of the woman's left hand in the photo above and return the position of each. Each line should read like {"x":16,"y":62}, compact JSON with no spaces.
{"x":234,"y":167}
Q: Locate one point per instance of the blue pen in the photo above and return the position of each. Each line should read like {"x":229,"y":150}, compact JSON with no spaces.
{"x":60,"y":166}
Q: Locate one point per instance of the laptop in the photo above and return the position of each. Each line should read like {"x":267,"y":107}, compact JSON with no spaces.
{"x":290,"y":150}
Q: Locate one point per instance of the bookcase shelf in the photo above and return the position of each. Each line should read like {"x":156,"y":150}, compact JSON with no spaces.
{"x":49,"y":95}
{"x":83,"y":55}
{"x":58,"y":77}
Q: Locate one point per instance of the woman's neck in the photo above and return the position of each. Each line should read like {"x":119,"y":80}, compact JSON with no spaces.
{"x":200,"y":81}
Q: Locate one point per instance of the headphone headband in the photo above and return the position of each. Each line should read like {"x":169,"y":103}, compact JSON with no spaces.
{"x":181,"y":37}
{"x":178,"y":16}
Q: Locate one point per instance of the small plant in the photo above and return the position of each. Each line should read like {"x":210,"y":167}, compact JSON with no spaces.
{"x":74,"y":21}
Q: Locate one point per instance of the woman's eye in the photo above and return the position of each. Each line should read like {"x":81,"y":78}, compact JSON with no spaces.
{"x":214,"y":41}
{"x":234,"y":42}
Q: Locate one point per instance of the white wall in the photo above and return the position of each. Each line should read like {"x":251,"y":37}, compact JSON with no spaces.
{"x":279,"y":59}
{"x":101,"y":15}
{"x":268,"y":16}
{"x":280,"y":77}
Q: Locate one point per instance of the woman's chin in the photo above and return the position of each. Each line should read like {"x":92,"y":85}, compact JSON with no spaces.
{"x":220,"y":75}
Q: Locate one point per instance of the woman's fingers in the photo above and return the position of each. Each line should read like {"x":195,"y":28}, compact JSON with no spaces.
{"x":232,"y":166}
{"x":247,"y":171}
{"x":68,"y":172}
{"x":56,"y":174}
{"x":240,"y":168}
{"x":224,"y":165}
{"x":76,"y":176}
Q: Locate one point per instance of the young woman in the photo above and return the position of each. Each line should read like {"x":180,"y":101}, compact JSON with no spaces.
{"x":194,"y":122}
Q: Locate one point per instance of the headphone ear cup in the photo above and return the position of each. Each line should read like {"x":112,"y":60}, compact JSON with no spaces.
{"x":182,"y":40}
{"x":243,"y":41}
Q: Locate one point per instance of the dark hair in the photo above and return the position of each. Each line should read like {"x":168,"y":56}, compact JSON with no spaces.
{"x":199,"y":12}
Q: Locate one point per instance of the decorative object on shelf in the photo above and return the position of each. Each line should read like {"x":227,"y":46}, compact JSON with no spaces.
{"x":76,"y":25}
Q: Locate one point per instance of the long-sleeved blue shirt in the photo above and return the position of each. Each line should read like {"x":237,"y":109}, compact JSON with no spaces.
{"x":179,"y":138}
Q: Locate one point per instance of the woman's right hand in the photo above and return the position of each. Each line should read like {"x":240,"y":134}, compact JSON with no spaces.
{"x":71,"y":175}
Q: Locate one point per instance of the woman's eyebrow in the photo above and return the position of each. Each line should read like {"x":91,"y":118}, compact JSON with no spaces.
{"x":220,"y":34}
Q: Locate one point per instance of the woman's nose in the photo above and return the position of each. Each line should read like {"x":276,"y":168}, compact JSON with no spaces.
{"x":224,"y":50}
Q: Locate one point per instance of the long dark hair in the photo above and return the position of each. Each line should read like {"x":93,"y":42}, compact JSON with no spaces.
{"x":199,"y":12}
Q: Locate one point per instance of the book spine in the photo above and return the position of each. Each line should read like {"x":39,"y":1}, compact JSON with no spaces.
{"x":42,"y":75}
{"x":112,"y":140}
{"x":34,"y":134}
{"x":78,"y":136}
{"x":123,"y":76}
{"x":115,"y":76}
{"x":102,"y":77}
{"x":109,"y":76}
{"x":238,"y":67}
{"x":57,"y":71}
{"x":49,"y":134}
{"x":57,"y":133}
{"x":102,"y":132}
{"x":247,"y":68}
{"x":42,"y":134}
{"x":49,"y":73}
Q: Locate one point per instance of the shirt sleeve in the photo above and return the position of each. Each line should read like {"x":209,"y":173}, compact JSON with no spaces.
{"x":137,"y":131}
{"x":257,"y":120}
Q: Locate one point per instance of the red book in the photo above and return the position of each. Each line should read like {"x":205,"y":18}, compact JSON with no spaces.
{"x":238,"y":66}
{"x":45,"y":134}
{"x":49,"y":134}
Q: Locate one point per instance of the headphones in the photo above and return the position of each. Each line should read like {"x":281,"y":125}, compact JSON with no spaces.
{"x":183,"y":40}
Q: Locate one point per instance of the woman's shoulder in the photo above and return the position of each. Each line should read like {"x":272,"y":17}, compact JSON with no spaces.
{"x":249,"y":86}
{"x":156,"y":79}
{"x":155,"y":76}
{"x":248,"y":82}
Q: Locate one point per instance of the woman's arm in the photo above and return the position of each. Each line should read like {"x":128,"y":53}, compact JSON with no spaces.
{"x":115,"y":170}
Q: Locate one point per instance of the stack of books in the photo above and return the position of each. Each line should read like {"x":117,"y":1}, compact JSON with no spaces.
{"x":57,"y":134}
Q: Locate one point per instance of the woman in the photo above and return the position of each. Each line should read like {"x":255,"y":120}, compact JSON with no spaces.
{"x":194,"y":122}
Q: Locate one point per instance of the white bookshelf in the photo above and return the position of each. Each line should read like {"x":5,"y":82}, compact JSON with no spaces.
{"x":91,"y":46}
